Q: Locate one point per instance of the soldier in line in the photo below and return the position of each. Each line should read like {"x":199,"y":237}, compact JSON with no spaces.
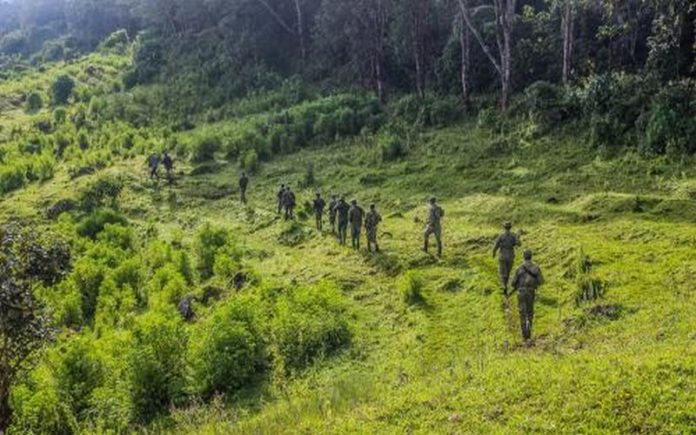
{"x":341,"y":209}
{"x":435,"y":215}
{"x":168,"y":164}
{"x":356,"y":215}
{"x":318,"y":207}
{"x":332,"y":213}
{"x":505,"y":247}
{"x":527,"y":280}
{"x":372,"y":220}
{"x":243,"y":184}
{"x":289,"y":202}
{"x":279,"y":197}
{"x":153,"y":163}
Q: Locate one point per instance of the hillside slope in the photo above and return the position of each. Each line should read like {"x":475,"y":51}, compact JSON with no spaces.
{"x":454,"y":363}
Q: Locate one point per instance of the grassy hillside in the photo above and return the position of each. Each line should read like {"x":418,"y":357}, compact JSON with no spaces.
{"x":451,"y":362}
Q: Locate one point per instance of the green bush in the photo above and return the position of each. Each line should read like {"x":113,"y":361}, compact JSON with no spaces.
{"x":117,"y":39}
{"x":204,"y":149}
{"x":167,"y":287}
{"x":103,"y":192}
{"x":78,"y":371}
{"x":60,"y":115}
{"x":250,"y":161}
{"x":34,"y":102}
{"x":226,"y":350}
{"x":92,"y":224}
{"x":326,"y":127}
{"x":38,"y":407}
{"x":11,"y":178}
{"x":209,"y":240}
{"x":309,"y":323}
{"x":544,"y":103}
{"x":62,"y":88}
{"x":671,"y":121}
{"x":86,"y":278}
{"x":157,"y":363}
{"x":391,"y":147}
{"x":412,"y":288}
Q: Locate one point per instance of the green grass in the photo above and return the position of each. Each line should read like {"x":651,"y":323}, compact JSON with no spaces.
{"x":453,"y":362}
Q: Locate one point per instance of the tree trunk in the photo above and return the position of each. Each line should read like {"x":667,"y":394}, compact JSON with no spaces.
{"x":300,"y":31}
{"x":568,"y":30}
{"x":464,"y":45}
{"x":4,"y":406}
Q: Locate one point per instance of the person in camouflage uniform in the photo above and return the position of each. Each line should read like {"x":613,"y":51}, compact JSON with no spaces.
{"x":168,"y":164}
{"x":332,"y":213}
{"x":289,"y":202}
{"x":243,"y":184}
{"x":527,"y":280}
{"x":434,"y":227}
{"x":318,"y":207}
{"x":372,"y":220}
{"x":279,"y":197}
{"x":153,"y":163}
{"x":505,"y":248}
{"x":341,"y":209}
{"x":356,"y":216}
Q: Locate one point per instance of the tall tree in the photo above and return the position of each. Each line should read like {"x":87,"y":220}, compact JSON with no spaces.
{"x":504,"y":11}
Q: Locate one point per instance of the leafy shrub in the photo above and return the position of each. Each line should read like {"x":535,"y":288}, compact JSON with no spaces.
{"x":204,"y":149}
{"x":34,"y":102}
{"x":250,"y":161}
{"x":78,"y":371}
{"x":309,"y":323}
{"x":86,"y":278}
{"x":346,"y":124}
{"x":38,"y":407}
{"x":92,"y":224}
{"x":544,"y":103}
{"x":209,"y":240}
{"x":167,"y":287}
{"x":11,"y":178}
{"x":391,"y":147}
{"x":62,"y":88}
{"x":326,"y":127}
{"x":412,"y":288}
{"x":60,"y":115}
{"x":226,"y":350}
{"x":671,"y":121}
{"x":117,"y":39}
{"x":103,"y":192}
{"x":157,"y":363}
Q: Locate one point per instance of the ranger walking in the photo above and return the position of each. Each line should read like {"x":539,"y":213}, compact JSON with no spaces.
{"x":279,"y":197}
{"x":372,"y":220}
{"x":153,"y":163}
{"x":318,"y":206}
{"x":341,"y":209}
{"x":289,"y":203}
{"x":435,"y":215}
{"x":356,"y":215}
{"x":243,"y":184}
{"x":332,"y":212}
{"x":505,"y":244}
{"x":527,"y":280}
{"x":168,"y":164}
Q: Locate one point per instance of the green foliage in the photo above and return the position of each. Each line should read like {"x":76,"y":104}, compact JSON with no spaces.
{"x":412,"y":288}
{"x":209,"y":241}
{"x":226,"y":350}
{"x":117,"y":40}
{"x":92,"y":224}
{"x":250,"y":161}
{"x":391,"y":147}
{"x":309,"y":323}
{"x":62,"y":89}
{"x":545,"y":103}
{"x":671,"y":121}
{"x":157,"y":363}
{"x":103,"y":192}
{"x":34,"y":102}
{"x":428,"y":111}
{"x":204,"y":149}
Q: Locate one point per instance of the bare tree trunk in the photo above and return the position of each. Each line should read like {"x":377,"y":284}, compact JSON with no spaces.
{"x":418,"y":35}
{"x":380,"y":30}
{"x":300,"y":31}
{"x":464,"y":45}
{"x":568,"y":31}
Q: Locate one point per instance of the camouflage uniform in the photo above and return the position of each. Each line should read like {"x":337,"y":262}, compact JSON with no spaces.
{"x":153,"y":163}
{"x":505,"y":247}
{"x":289,"y":203}
{"x":341,"y":209}
{"x":318,"y":206}
{"x":526,"y":281}
{"x":279,"y":197}
{"x":243,"y":184}
{"x":435,"y":214}
{"x":356,"y":216}
{"x":332,"y":213}
{"x":168,"y":164}
{"x":372,"y":220}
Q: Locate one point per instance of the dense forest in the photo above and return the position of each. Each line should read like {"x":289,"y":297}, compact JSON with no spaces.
{"x":133,"y":304}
